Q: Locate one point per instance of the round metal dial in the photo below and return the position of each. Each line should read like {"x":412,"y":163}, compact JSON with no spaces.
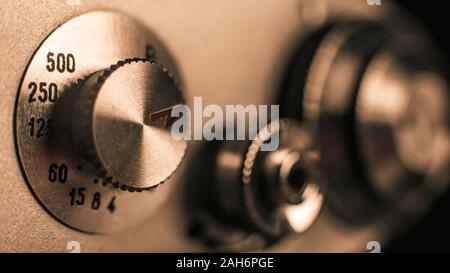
{"x":379,"y":110}
{"x":274,"y":192}
{"x":289,"y":175}
{"x":121,"y":124}
{"x":50,"y":108}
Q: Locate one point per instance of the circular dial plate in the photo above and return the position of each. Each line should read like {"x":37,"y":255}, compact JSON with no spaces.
{"x":66,"y":186}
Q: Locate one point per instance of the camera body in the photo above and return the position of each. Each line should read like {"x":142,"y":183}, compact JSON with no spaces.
{"x":228,"y":53}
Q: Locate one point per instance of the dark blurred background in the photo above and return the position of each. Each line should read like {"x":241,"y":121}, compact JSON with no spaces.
{"x":432,"y":234}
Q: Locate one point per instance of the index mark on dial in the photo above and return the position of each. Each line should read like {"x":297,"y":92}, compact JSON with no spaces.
{"x":166,"y":114}
{"x":150,"y":53}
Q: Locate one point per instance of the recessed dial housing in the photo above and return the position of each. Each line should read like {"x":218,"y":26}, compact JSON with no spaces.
{"x":89,"y":94}
{"x":376,"y":102}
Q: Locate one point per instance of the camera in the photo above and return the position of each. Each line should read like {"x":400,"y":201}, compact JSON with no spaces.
{"x":223,"y":126}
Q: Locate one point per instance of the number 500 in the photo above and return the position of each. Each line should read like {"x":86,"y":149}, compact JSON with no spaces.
{"x":60,"y":62}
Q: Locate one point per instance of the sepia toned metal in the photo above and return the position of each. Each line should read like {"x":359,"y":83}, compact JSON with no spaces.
{"x":58,"y":109}
{"x":282,"y":189}
{"x":371,"y":98}
{"x":227,"y":52}
{"x":121,"y":124}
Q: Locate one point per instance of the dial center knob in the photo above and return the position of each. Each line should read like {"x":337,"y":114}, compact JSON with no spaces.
{"x":121,"y":124}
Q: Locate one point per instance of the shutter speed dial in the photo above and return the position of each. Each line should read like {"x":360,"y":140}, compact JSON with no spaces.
{"x":121,"y":124}
{"x":91,"y":122}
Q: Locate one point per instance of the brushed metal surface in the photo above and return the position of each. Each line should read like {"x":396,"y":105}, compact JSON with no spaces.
{"x":281,"y":190}
{"x":83,"y":201}
{"x":411,"y":116}
{"x":384,"y":122}
{"x":229,"y":52}
{"x":121,"y":124}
